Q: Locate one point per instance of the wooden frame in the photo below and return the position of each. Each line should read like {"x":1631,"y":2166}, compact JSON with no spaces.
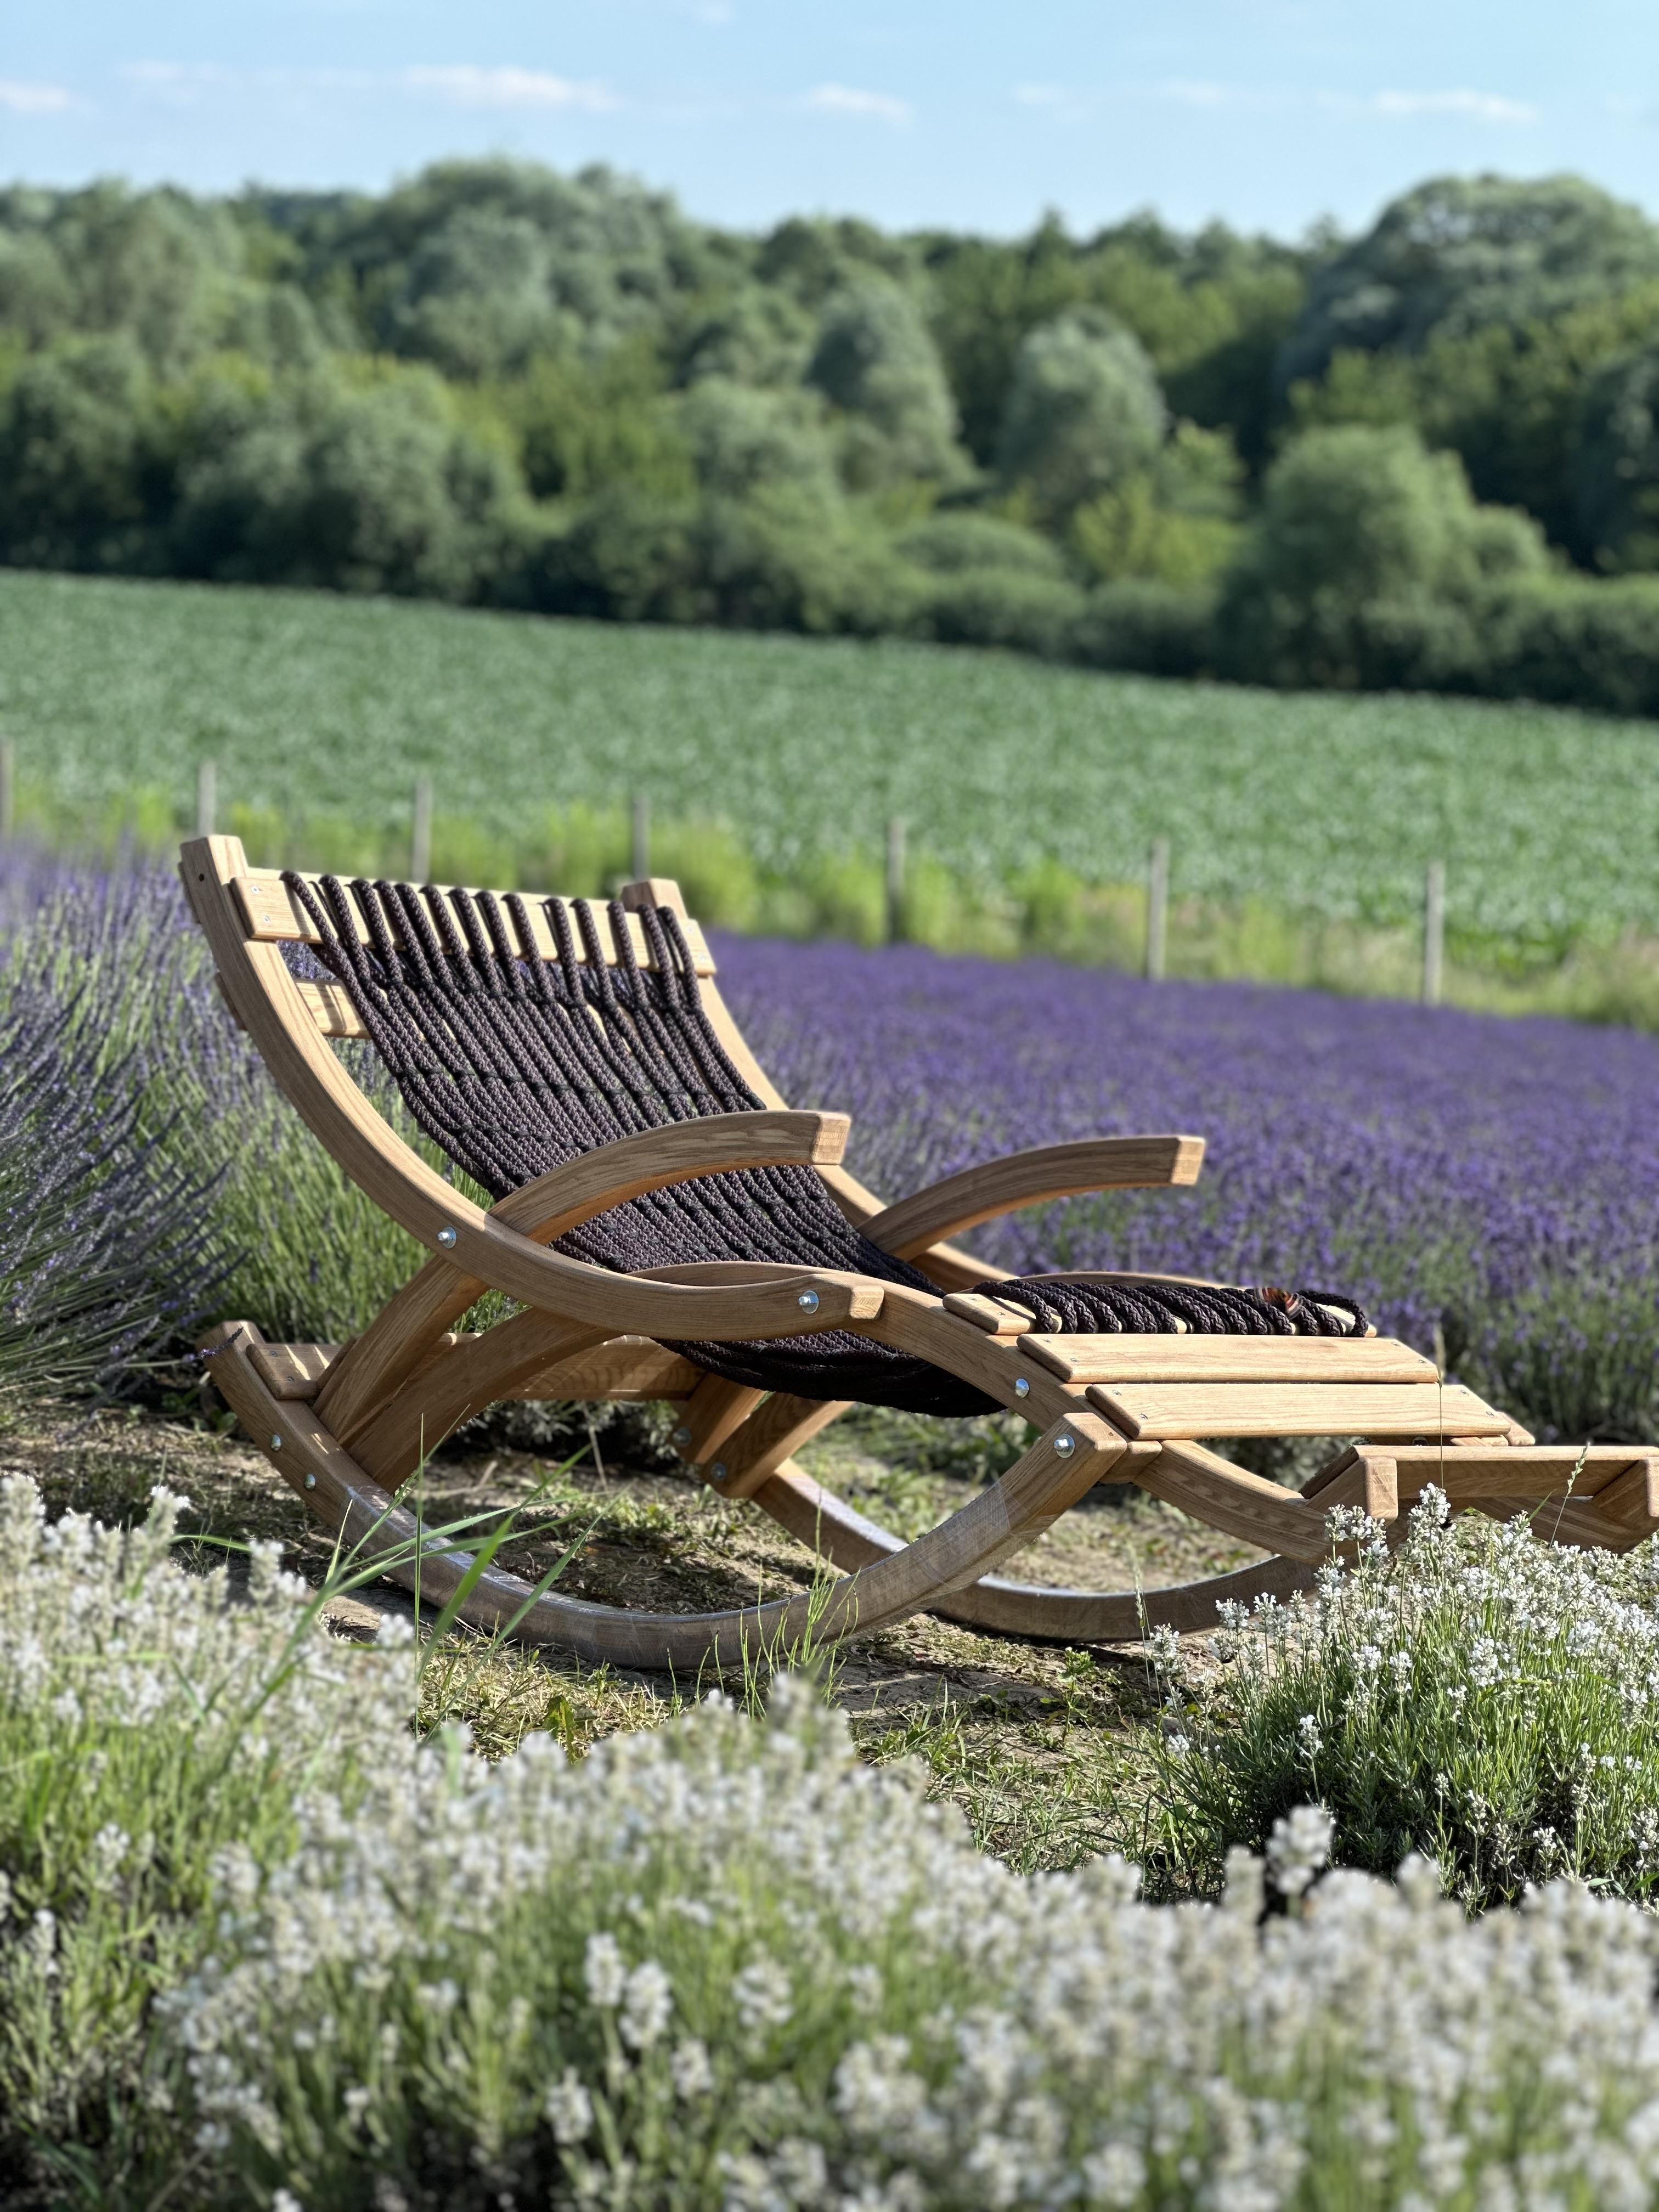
{"x":347,"y":1425}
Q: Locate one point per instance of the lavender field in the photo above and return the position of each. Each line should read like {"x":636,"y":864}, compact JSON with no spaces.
{"x":1493,"y":1181}
{"x":1486,"y":1188}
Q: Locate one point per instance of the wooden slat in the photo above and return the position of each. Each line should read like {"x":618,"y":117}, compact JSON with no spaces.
{"x":331,"y":1008}
{"x":294,"y":1371}
{"x":629,"y":1367}
{"x":1296,"y":1409}
{"x":273,"y":916}
{"x":996,"y":1317}
{"x":1114,"y":1359}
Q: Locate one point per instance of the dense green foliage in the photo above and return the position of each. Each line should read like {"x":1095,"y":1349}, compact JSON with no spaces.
{"x":499,"y":385}
{"x":321,"y":712}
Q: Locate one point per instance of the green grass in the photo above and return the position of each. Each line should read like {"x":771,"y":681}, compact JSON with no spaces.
{"x":321,"y":712}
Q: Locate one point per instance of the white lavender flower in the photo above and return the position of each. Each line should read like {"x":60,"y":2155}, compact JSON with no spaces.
{"x":569,"y":2109}
{"x":1299,"y":1847}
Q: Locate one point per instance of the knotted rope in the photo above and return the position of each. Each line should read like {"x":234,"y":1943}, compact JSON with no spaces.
{"x":514,"y":1066}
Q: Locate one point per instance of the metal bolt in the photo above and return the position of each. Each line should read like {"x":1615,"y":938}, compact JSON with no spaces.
{"x":1022,"y":1386}
{"x":1065,"y":1445}
{"x":682,"y":1437}
{"x":717,"y":1472}
{"x":808,"y":1301}
{"x":311,"y":1482}
{"x":276,"y":1444}
{"x":446,"y":1238}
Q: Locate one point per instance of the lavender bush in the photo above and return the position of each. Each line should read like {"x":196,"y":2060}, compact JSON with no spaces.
{"x":1487,"y":1186}
{"x":260,"y":1945}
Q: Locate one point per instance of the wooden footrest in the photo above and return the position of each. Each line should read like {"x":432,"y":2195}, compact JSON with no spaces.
{"x":1606,"y":1495}
{"x":1172,"y":1410}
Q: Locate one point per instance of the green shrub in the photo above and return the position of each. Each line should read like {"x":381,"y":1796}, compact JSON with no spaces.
{"x":1157,"y":629}
{"x":951,"y":543}
{"x":1012,"y":607}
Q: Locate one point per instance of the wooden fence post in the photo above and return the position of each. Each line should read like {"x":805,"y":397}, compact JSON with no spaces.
{"x":420,"y":836}
{"x":8,"y":788}
{"x":207,"y":798}
{"x":1157,"y":909}
{"x":641,"y":837}
{"x":895,"y":881}
{"x":1434,"y":931}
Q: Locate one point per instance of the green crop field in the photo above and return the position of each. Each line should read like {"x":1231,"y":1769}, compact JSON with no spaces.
{"x":1548,"y":821}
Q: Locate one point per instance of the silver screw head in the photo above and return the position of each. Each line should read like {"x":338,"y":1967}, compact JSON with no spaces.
{"x":311,"y":1482}
{"x":1022,"y":1386}
{"x":717,"y":1472}
{"x":446,"y":1238}
{"x":682,"y":1437}
{"x":1065,"y":1445}
{"x":808,"y":1301}
{"x":276,"y":1444}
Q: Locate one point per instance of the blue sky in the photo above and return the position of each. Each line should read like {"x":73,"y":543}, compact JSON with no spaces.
{"x":1267,"y":113}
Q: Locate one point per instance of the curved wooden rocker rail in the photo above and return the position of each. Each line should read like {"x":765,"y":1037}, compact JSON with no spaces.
{"x":348,"y":1427}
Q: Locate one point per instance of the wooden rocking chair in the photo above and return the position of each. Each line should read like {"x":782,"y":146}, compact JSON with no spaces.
{"x":626,"y":995}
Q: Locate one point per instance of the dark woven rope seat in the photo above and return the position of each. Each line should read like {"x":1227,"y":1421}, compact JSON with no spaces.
{"x":516,"y":1067}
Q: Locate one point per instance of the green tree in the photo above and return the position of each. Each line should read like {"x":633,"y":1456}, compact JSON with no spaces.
{"x":744,"y":442}
{"x":1362,"y":529}
{"x":476,"y":295}
{"x":876,"y":362}
{"x":1083,"y":412}
{"x":368,"y":487}
{"x":78,"y":478}
{"x":1461,"y":253}
{"x":1615,"y":463}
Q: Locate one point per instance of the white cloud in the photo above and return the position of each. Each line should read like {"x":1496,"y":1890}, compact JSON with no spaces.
{"x":18,"y":98}
{"x":1188,"y":92}
{"x":847,"y":100}
{"x":1479,"y":106}
{"x":467,"y":85}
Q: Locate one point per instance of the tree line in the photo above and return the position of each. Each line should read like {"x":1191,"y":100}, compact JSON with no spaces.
{"x":1425,"y":456}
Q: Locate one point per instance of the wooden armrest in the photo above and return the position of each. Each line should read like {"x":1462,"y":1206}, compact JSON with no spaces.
{"x":959,"y":1201}
{"x":654,"y":1159}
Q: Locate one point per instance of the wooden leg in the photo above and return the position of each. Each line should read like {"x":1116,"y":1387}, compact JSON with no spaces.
{"x":1068,"y":1459}
{"x":817,"y":1517}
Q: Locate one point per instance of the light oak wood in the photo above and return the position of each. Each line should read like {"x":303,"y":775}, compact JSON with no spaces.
{"x":294,"y":1371}
{"x":1111,"y":1361}
{"x":330,"y":1006}
{"x":1241,"y":1505}
{"x":977,"y":1194}
{"x":1026,"y":1500}
{"x":824,"y":1523}
{"x":1494,"y":1469}
{"x":715,"y":1410}
{"x":653,"y":891}
{"x":773,"y":1435}
{"x":273,"y":916}
{"x":470,"y":1376}
{"x":624,"y":1369}
{"x":1296,"y":1409}
{"x":996,"y":1317}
